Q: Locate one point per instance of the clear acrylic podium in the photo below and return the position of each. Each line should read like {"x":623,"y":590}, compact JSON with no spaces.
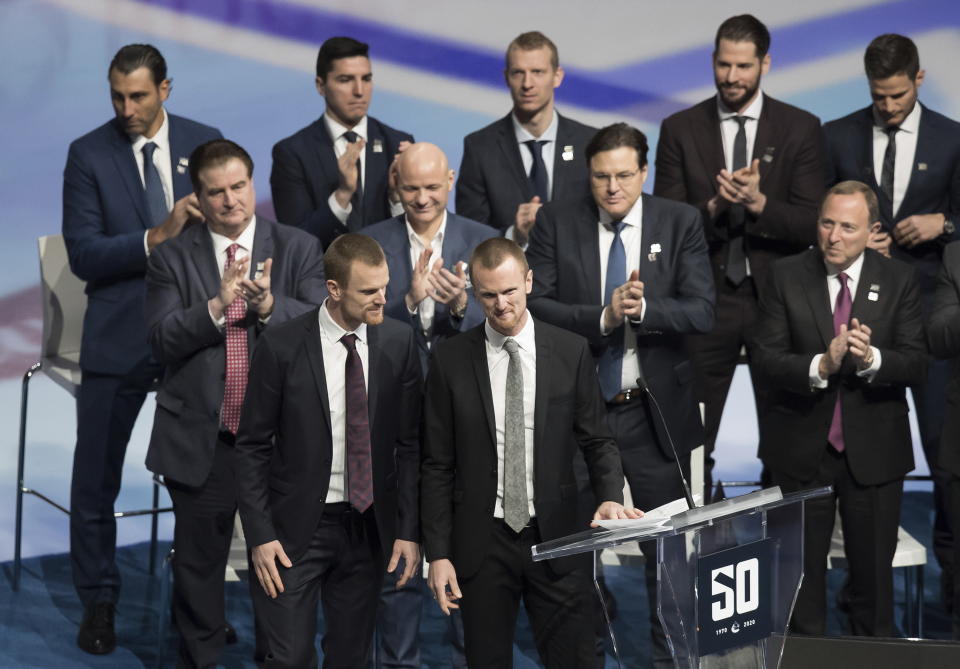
{"x":727,"y":574}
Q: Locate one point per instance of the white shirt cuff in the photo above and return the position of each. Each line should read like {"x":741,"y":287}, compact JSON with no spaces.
{"x":509,"y":234}
{"x":146,"y":246}
{"x":815,"y":381}
{"x":874,"y":367}
{"x":338,"y":211}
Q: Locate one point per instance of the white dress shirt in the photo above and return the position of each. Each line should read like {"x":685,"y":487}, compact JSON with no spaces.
{"x":428,"y":306}
{"x":161,"y":160}
{"x":632,"y":242}
{"x":906,"y":139}
{"x":498,"y":361}
{"x":334,"y":363}
{"x":729,"y":128}
{"x":220,"y":245}
{"x":833,"y":289}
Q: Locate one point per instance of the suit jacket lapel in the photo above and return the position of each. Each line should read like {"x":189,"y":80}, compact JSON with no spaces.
{"x":815,"y":288}
{"x":763,"y":143}
{"x":864,"y":309}
{"x":711,"y":148}
{"x":650,"y":232}
{"x":180,"y":152}
{"x":375,"y":362}
{"x":130,"y":175}
{"x":482,"y":375}
{"x":561,"y":167}
{"x":585,"y":229}
{"x":205,"y":260}
{"x":507,"y":141}
{"x":315,"y":358}
{"x":926,"y":147}
{"x":540,"y":454}
{"x":325,"y":160}
{"x":375,"y":164}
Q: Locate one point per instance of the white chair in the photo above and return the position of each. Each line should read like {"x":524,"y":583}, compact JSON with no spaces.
{"x":64,"y":304}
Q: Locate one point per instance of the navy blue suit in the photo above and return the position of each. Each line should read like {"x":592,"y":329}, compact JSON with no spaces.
{"x":305,"y":173}
{"x":105,"y":217}
{"x":934,"y":188}
{"x":460,"y":238}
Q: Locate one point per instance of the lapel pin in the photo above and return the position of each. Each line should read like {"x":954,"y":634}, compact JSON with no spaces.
{"x":259,"y":273}
{"x":922,"y":167}
{"x":768,"y":154}
{"x":654,"y":251}
{"x":567,"y":154}
{"x":874,"y":287}
{"x":184,"y":161}
{"x":377,"y":146}
{"x":181,"y":169}
{"x":872,"y":296}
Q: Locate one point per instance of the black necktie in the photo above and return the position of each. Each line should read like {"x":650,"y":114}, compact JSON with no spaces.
{"x":736,"y":253}
{"x":355,"y":222}
{"x":889,"y":162}
{"x":538,"y":170}
{"x":156,"y":200}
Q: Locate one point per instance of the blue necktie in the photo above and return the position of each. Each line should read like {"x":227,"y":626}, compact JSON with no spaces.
{"x":610,"y":366}
{"x":156,"y":200}
{"x":538,"y":170}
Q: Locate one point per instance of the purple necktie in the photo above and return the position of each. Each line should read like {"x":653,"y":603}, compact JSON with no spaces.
{"x":235,"y":384}
{"x":841,"y":316}
{"x":359,"y":472}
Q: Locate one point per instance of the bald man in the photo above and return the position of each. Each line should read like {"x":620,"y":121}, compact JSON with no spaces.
{"x":427,"y":250}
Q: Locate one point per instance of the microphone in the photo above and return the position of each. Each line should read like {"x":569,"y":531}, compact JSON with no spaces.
{"x":642,"y":384}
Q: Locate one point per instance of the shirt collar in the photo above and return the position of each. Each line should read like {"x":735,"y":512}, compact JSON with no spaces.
{"x":633,"y":217}
{"x":161,"y":139}
{"x":753,"y":111}
{"x":523,"y":135}
{"x":336,"y":130}
{"x":245,"y":240}
{"x":414,"y":238}
{"x":910,"y":124}
{"x":852,"y":272}
{"x":332,"y":331}
{"x":525,"y":338}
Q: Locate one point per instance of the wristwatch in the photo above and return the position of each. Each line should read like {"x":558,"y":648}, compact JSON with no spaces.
{"x":948,"y":227}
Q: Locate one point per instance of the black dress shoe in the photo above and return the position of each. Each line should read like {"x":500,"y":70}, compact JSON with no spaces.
{"x":96,"y":631}
{"x":230,"y":634}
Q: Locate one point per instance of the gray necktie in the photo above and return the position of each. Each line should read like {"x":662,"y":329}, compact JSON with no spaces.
{"x":156,"y":200}
{"x":515,"y":508}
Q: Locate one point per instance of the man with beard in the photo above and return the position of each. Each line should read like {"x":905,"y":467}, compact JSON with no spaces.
{"x":753,"y":166}
{"x":910,"y":156}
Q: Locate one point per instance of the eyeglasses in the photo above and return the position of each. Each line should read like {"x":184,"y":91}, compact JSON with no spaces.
{"x":620,"y":177}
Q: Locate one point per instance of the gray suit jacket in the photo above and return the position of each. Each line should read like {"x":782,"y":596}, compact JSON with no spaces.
{"x":182,"y":275}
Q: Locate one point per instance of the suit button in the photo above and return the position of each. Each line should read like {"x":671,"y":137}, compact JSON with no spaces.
{"x":216,"y":412}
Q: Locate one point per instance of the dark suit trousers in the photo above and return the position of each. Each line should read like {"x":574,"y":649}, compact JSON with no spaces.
{"x":343,"y":570}
{"x":201,"y":540}
{"x":559,"y":607}
{"x":869,"y":516}
{"x":715,"y":357}
{"x":654,"y":480}
{"x":397,"y":637}
{"x":954,"y":595}
{"x":107,"y":408}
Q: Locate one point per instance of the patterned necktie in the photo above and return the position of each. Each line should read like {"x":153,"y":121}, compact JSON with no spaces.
{"x":889,"y":162}
{"x":355,"y":221}
{"x":538,"y":170}
{"x":516,"y":512}
{"x":736,"y":253}
{"x":610,"y":365}
{"x":156,"y":200}
{"x":359,"y":470}
{"x":841,"y":316}
{"x":236,"y":379}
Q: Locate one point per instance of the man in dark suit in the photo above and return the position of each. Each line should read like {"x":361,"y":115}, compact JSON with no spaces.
{"x":943,"y":335}
{"x":910,"y":156}
{"x":125,"y":190}
{"x":532,"y":155}
{"x":507,"y":405}
{"x":328,"y":459}
{"x":334,"y":175}
{"x":630,"y":273}
{"x":838,"y":412}
{"x":752,"y":165}
{"x":211,"y":292}
{"x":427,"y":250}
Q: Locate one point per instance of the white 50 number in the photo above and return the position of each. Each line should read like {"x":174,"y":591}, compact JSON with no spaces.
{"x":743,"y":596}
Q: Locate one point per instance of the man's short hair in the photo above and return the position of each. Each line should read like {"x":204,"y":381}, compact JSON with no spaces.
{"x":617,"y":135}
{"x":493,"y":252}
{"x":531,"y":41}
{"x":214,"y":153}
{"x":336,"y":48}
{"x":889,"y":55}
{"x":347,"y":249}
{"x":744,"y":28}
{"x":852,"y":188}
{"x":134,"y":56}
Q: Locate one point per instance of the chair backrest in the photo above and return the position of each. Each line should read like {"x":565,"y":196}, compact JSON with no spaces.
{"x":64,"y":301}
